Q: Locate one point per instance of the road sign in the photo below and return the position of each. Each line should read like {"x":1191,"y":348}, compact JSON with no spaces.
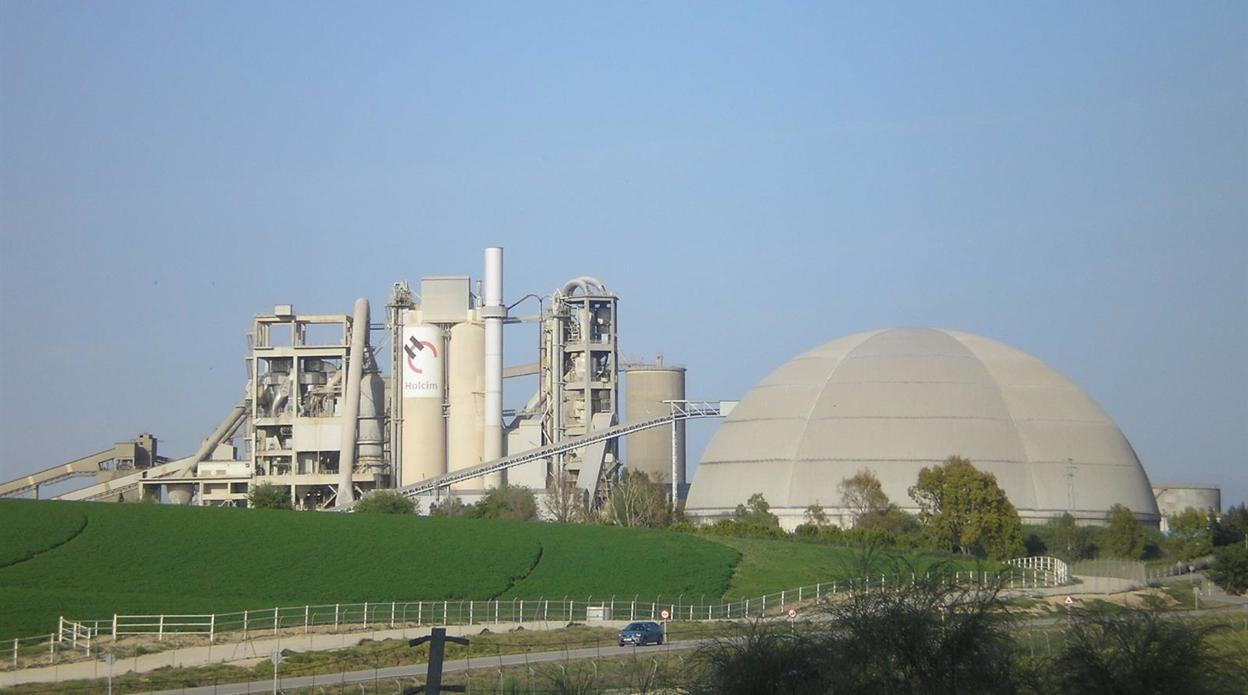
{"x":665,"y":614}
{"x":792,"y":614}
{"x":1069,"y":601}
{"x":276,"y":658}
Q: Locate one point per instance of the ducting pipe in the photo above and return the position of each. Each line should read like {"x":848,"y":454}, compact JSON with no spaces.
{"x":585,"y":282}
{"x":493,"y":312}
{"x":223,"y":430}
{"x":351,"y":402}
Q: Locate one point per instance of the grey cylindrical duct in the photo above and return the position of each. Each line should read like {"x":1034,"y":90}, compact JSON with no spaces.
{"x":493,"y":312}
{"x":223,"y":430}
{"x":351,"y":406}
{"x":372,"y":408}
{"x":587,"y":283}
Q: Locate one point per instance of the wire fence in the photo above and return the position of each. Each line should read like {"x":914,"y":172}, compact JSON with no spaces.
{"x":80,"y":639}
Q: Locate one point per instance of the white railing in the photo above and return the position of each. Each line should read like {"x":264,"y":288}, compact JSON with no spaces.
{"x":1054,"y":571}
{"x":346,"y":617}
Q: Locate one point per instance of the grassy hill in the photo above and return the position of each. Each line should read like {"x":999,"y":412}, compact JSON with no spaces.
{"x":89,"y":560}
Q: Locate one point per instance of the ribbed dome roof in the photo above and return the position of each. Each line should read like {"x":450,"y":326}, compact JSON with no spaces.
{"x":897,"y":400}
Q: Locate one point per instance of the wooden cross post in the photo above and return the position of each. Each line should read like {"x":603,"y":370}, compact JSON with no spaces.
{"x":437,"y":650}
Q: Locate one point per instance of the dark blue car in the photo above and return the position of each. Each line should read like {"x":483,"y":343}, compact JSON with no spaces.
{"x":641,"y":634}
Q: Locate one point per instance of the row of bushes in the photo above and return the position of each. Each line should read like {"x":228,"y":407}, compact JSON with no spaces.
{"x":936,"y":637}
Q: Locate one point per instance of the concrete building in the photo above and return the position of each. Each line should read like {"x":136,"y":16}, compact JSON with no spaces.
{"x":895,"y":401}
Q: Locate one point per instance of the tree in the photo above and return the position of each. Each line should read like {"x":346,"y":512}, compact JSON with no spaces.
{"x":816,"y":516}
{"x":1069,"y":539}
{"x":1124,"y":536}
{"x":506,"y":502}
{"x":637,"y":501}
{"x":269,"y":496}
{"x":386,"y":502}
{"x":564,"y":501}
{"x":863,"y":494}
{"x":1230,"y":568}
{"x":756,"y":511}
{"x":963,"y":509}
{"x":1232,"y":527}
{"x":1190,"y":534}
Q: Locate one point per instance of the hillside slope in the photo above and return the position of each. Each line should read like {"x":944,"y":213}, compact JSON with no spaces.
{"x":133,"y":558}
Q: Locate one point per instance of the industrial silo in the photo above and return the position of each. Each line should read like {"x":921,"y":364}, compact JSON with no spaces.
{"x":650,"y":451}
{"x":466,"y":389}
{"x":424,"y":430}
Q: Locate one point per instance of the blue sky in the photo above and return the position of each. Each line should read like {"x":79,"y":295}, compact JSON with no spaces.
{"x":1071,"y":179}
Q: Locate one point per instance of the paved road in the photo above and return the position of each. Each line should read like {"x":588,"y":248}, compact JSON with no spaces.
{"x":387,"y":675}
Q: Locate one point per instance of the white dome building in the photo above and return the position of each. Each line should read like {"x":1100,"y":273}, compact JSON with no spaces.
{"x":895,"y":401}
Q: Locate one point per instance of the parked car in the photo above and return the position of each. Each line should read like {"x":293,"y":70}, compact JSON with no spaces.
{"x":641,"y":634}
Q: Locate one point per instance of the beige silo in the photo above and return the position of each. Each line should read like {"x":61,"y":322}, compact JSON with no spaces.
{"x":466,"y":417}
{"x":651,"y":450}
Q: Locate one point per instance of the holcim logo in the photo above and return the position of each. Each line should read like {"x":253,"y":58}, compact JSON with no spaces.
{"x":414,"y":345}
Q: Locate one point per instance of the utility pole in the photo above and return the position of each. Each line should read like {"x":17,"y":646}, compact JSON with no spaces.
{"x":437,"y":651}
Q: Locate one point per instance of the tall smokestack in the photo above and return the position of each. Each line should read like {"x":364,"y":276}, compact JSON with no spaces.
{"x":493,"y":312}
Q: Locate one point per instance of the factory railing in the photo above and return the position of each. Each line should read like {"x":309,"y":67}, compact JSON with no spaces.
{"x":84,"y":637}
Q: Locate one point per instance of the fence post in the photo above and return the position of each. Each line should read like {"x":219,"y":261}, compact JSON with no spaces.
{"x":114,"y":627}
{"x":52,"y":649}
{"x":521,"y":611}
{"x":305,"y":620}
{"x":275,"y":620}
{"x":212,"y":627}
{"x":496,"y":610}
{"x":336,"y":607}
{"x":420,"y":612}
{"x":392,"y":615}
{"x":444,"y":612}
{"x":15,"y":653}
{"x":470,"y":611}
{"x":161,"y":634}
{"x":782,"y":600}
{"x":366,"y":614}
{"x":60,"y":628}
{"x":545,"y":610}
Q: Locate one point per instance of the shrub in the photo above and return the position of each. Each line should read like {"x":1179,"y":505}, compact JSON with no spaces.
{"x":1110,"y":649}
{"x":386,"y":502}
{"x":1230,"y":568}
{"x":506,"y":502}
{"x":269,"y":496}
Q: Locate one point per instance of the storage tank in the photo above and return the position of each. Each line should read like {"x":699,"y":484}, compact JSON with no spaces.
{"x":650,"y":451}
{"x":466,"y":398}
{"x":424,"y":429}
{"x":1175,"y":498}
{"x":180,"y":494}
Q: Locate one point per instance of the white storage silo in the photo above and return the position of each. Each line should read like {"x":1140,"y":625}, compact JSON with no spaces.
{"x":424,"y":430}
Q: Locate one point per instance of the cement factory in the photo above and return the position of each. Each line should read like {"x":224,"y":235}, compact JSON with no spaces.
{"x":336,"y":407}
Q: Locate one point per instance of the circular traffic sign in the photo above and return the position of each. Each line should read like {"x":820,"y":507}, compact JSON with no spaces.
{"x":665,"y":614}
{"x":792,"y":614}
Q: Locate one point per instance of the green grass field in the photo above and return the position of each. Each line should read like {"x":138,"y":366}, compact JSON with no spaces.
{"x":91,"y":560}
{"x":22,"y":536}
{"x":771,"y":565}
{"x":138,"y":558}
